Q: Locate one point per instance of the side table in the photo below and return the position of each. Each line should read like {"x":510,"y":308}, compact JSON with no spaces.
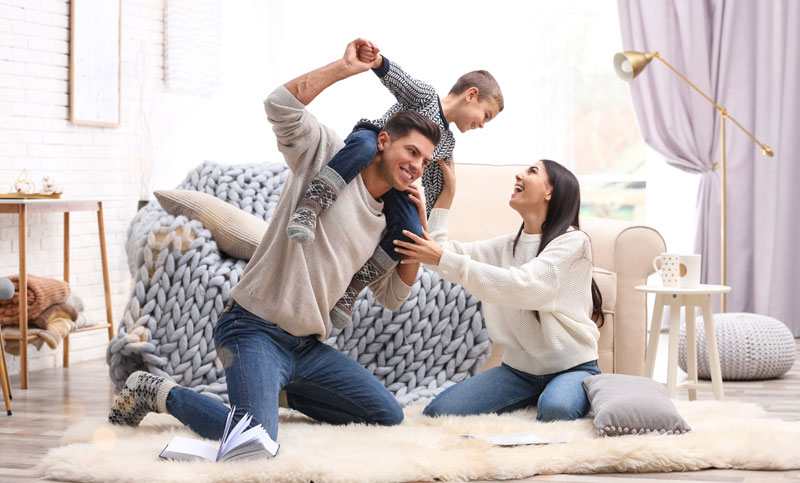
{"x":21,"y":207}
{"x":690,"y":298}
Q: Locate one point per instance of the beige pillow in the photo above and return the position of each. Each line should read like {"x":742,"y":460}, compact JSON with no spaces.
{"x":236,"y":232}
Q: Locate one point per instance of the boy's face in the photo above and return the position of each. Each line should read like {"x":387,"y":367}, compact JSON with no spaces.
{"x":473,"y":114}
{"x":403,"y":159}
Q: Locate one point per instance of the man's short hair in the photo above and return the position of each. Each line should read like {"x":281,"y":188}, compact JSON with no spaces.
{"x":488,"y":88}
{"x":403,"y":122}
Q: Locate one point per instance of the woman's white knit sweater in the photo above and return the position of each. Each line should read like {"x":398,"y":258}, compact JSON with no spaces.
{"x":511,"y":287}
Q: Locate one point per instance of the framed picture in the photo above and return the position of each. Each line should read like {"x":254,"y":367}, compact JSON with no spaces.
{"x":94,"y":62}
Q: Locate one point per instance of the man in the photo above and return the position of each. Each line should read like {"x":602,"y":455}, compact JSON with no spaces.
{"x":271,"y":337}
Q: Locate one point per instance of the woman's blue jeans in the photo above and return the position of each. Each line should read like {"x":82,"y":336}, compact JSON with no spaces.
{"x":558,"y":396}
{"x":260,"y":359}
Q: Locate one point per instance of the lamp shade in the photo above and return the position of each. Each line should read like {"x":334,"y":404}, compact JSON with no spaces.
{"x":629,"y":64}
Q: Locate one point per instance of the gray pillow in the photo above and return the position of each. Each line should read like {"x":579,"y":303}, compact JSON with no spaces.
{"x":631,"y":405}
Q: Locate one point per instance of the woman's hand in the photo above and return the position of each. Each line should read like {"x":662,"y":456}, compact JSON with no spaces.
{"x":416,"y":197}
{"x":423,"y":250}
{"x":448,"y":193}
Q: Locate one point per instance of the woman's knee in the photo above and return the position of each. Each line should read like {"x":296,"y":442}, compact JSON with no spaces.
{"x":432,"y":410}
{"x":563,"y":410}
{"x":446,"y":406}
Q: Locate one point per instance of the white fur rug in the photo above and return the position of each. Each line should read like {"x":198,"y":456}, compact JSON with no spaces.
{"x":725,"y":435}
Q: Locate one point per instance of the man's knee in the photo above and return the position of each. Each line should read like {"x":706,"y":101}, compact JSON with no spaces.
{"x":392,"y":415}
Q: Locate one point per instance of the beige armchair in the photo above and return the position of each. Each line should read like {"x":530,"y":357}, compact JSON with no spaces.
{"x":623,"y":254}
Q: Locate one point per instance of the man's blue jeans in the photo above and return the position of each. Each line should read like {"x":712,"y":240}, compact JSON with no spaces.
{"x":558,"y":396}
{"x":260,"y":359}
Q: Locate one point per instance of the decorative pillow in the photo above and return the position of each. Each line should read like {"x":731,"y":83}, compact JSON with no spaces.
{"x":236,"y":232}
{"x":624,"y":404}
{"x":751,"y":347}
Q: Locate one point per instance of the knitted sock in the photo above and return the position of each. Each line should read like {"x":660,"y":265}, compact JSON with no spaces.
{"x":375,"y":268}
{"x":322,"y":191}
{"x":143,"y":393}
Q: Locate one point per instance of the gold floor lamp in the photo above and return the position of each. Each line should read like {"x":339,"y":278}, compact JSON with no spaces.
{"x":628,"y":65}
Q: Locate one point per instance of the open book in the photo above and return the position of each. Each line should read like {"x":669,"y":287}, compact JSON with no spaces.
{"x":508,"y":439}
{"x":237,"y":443}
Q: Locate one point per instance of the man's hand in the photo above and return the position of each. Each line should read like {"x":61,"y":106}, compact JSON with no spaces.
{"x":360,"y":55}
{"x":448,"y":193}
{"x":408,"y":270}
{"x":368,"y":53}
{"x":423,"y":250}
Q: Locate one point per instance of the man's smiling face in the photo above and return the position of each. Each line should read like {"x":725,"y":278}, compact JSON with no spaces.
{"x":403,"y":159}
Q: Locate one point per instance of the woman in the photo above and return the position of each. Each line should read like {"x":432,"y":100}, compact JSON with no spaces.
{"x":539,"y":298}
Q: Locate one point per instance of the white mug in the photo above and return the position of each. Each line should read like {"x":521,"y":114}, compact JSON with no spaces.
{"x":689,"y":271}
{"x":678,"y":270}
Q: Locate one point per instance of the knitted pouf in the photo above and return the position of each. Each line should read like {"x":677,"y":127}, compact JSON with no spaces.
{"x":751,"y":346}
{"x":182,"y":283}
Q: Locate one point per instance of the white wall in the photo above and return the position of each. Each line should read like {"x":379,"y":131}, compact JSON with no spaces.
{"x":88,"y":161}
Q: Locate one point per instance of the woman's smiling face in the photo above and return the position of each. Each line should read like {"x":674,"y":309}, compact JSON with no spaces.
{"x":532,"y":188}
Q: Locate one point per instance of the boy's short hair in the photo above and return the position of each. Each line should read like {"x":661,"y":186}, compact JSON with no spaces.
{"x":488,"y":88}
{"x":403,"y":122}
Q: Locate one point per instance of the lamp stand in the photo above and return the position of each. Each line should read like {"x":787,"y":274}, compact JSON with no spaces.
{"x":637,"y":62}
{"x":723,"y":220}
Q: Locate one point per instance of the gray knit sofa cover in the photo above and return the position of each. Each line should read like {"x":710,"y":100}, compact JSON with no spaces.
{"x":182,"y":282}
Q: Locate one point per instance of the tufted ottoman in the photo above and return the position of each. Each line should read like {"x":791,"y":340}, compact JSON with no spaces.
{"x":751,"y":346}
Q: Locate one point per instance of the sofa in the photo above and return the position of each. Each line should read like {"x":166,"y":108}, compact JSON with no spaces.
{"x":188,"y":248}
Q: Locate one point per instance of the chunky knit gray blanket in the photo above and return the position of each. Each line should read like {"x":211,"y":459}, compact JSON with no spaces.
{"x":181,"y":283}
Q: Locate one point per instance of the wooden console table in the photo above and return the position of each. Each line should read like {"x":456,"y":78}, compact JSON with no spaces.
{"x":22,"y":207}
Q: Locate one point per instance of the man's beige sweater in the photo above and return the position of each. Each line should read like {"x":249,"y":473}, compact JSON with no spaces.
{"x":295,"y":286}
{"x":513,"y":284}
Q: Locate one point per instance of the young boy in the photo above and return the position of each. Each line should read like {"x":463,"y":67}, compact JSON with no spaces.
{"x":474,"y":100}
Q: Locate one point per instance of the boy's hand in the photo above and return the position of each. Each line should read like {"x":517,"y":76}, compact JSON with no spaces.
{"x":359,"y":55}
{"x":448,"y":193}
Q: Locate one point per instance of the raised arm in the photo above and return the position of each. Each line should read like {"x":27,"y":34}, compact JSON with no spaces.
{"x":534,"y":285}
{"x":306,"y":87}
{"x":298,"y":132}
{"x":409,"y":92}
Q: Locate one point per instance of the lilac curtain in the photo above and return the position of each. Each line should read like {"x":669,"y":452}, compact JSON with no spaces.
{"x":744,"y":55}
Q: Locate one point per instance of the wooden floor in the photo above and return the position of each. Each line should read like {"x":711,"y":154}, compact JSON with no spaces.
{"x":57,"y":398}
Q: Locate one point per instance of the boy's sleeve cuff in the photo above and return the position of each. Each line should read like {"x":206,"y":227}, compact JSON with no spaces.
{"x":384,"y":69}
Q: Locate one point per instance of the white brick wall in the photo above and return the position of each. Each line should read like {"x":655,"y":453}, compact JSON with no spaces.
{"x":88,"y":161}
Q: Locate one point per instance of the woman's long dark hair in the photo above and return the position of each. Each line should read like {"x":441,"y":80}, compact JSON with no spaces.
{"x":562,"y":213}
